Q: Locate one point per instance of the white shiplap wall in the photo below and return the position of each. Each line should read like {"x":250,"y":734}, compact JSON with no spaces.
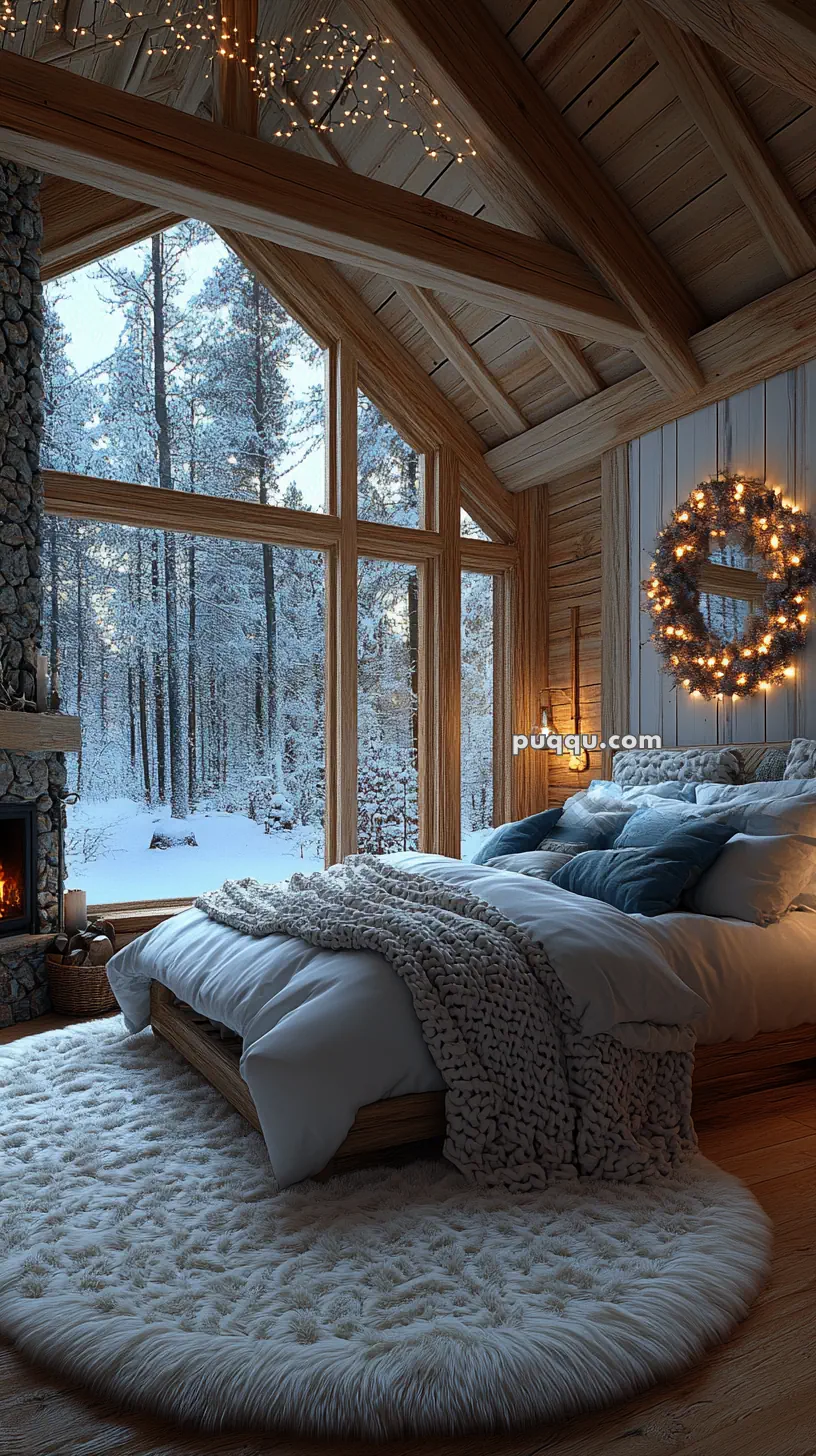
{"x":768,"y":431}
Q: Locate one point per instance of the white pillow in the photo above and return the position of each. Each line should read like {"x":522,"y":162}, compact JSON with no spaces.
{"x":756,"y":878}
{"x":796,"y":815}
{"x":749,"y":793}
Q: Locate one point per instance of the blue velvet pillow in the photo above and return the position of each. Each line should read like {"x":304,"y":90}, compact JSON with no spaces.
{"x":649,"y":881}
{"x":519,"y":836}
{"x":651,"y":824}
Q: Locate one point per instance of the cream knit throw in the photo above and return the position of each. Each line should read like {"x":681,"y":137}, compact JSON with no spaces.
{"x":530,"y":1099}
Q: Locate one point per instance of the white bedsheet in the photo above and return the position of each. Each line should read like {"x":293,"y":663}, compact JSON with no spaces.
{"x":754,"y":978}
{"x":326,"y":1032}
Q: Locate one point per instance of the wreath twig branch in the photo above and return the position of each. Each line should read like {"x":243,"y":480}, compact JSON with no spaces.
{"x":752,"y":514}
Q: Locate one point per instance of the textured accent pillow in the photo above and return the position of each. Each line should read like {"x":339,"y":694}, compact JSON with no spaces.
{"x":771,"y":766}
{"x":535,"y":863}
{"x":756,"y":878}
{"x":686,"y":765}
{"x":801,"y":760}
{"x":650,"y":825}
{"x":516,"y":837}
{"x":645,"y":881}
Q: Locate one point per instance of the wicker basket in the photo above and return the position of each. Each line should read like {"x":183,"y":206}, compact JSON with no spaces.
{"x":79,"y":990}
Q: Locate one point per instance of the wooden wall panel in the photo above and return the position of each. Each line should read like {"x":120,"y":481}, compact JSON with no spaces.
{"x":768,"y":431}
{"x":574,"y":579}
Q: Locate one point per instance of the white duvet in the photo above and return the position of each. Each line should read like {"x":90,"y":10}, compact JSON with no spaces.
{"x":326,"y":1032}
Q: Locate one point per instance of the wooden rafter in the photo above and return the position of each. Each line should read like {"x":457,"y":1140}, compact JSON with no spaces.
{"x":775,"y":38}
{"x":73,"y":127}
{"x":773,"y":334}
{"x":704,"y":91}
{"x":329,"y":308}
{"x":533,"y":162}
{"x":429,"y":312}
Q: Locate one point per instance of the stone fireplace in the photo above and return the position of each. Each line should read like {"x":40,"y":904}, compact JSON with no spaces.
{"x":32,"y":766}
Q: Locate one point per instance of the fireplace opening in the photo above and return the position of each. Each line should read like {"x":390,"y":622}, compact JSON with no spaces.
{"x":18,"y":869}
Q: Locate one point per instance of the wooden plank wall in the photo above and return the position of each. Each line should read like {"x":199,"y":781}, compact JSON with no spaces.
{"x":574,"y":579}
{"x":767,"y":431}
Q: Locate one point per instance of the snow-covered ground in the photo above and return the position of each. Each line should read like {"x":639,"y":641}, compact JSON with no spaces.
{"x":109,"y":854}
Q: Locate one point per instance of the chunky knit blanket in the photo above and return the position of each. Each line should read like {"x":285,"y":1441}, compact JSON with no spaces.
{"x":530,"y":1098}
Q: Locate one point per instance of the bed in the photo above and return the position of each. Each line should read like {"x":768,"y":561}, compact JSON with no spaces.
{"x":756,"y":1032}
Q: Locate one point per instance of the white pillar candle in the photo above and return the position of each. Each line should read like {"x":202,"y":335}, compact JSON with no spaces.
{"x":74,"y":911}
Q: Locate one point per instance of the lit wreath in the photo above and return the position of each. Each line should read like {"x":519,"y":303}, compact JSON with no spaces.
{"x":698,"y":658}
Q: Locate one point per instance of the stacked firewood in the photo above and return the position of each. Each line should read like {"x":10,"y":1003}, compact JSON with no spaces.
{"x":91,"y":947}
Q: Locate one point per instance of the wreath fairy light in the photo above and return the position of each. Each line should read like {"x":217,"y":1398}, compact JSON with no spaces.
{"x":752,"y":514}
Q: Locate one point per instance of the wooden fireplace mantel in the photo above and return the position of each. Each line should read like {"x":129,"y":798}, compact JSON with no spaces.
{"x":39,"y":732}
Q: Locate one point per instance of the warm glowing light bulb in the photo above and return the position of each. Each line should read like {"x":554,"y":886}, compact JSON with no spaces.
{"x":802,"y":617}
{"x":774,"y":542}
{"x":684,"y":515}
{"x":742,"y":679}
{"x":790,"y":672}
{"x":764,"y":686}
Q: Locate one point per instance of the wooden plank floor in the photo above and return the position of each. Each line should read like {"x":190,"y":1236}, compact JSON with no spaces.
{"x":754,"y":1397}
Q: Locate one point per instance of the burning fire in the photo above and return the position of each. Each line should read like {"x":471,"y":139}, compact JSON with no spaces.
{"x":11,"y":893}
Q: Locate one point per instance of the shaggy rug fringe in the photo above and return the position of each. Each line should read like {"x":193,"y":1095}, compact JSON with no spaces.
{"x":134,"y":1203}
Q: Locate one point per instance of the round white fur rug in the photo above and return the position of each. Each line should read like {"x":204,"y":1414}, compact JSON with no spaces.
{"x":146,"y":1253}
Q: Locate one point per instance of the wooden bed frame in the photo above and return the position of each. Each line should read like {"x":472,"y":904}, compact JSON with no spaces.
{"x":405,"y":1126}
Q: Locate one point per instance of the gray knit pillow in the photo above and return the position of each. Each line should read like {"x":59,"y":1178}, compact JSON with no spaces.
{"x":801,"y":760}
{"x":771,"y":766}
{"x":689,"y":765}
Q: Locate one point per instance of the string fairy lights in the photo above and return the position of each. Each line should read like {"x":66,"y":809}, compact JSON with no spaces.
{"x":332,"y":78}
{"x":767,"y":528}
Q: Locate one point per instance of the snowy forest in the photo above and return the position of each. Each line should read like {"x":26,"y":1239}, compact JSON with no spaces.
{"x":197,"y":664}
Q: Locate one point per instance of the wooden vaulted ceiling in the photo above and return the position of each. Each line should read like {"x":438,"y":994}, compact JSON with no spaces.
{"x":676,"y":161}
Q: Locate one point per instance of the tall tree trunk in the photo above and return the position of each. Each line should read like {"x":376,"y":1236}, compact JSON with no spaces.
{"x":192,"y":651}
{"x":131,"y":717}
{"x":180,"y":804}
{"x":270,"y":604}
{"x":144,"y":739}
{"x":192,"y":674}
{"x":80,"y":664}
{"x":158,"y":683}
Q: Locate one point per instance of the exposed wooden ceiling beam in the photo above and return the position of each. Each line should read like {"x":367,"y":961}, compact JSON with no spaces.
{"x":764,"y":338}
{"x":65,"y":124}
{"x":529,"y":156}
{"x":81,"y":225}
{"x":775,"y":38}
{"x":330,"y":309}
{"x":704,"y":91}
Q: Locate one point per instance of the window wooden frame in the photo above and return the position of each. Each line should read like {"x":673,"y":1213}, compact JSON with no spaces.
{"x":436,"y":548}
